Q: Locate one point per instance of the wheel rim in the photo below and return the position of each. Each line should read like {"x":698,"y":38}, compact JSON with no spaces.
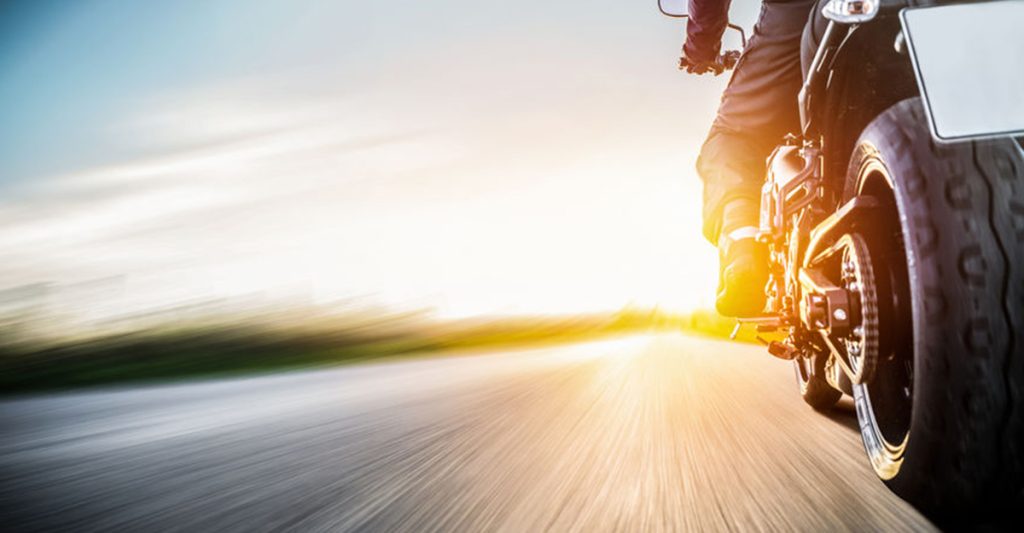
{"x":884,"y":403}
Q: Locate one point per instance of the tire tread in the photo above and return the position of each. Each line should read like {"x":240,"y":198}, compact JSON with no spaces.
{"x":965,"y":246}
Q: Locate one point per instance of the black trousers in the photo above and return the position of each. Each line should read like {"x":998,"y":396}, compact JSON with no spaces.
{"x":758,"y":108}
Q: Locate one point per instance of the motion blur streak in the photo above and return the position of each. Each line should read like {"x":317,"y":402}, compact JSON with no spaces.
{"x":649,"y":433}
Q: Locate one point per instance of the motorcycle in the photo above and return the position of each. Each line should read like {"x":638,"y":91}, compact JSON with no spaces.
{"x":895,"y":224}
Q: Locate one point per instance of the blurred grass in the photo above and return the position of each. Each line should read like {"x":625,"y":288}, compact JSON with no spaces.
{"x":211,"y":351}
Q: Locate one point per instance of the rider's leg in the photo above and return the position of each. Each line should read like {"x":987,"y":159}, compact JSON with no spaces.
{"x":758,"y":108}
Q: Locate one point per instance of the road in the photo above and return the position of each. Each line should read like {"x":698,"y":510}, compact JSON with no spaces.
{"x":665,"y":432}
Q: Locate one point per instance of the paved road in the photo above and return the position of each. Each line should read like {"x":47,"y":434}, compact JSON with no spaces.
{"x":639,"y":434}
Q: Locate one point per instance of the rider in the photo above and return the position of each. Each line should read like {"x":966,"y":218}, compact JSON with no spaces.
{"x":758,"y":108}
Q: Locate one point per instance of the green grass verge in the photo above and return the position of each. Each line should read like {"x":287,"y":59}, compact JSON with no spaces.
{"x":164,"y":356}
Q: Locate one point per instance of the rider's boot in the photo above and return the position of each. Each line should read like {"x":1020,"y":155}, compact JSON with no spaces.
{"x":744,"y":271}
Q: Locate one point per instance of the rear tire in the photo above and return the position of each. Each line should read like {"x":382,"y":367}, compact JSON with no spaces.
{"x":961,"y":211}
{"x":814,"y":388}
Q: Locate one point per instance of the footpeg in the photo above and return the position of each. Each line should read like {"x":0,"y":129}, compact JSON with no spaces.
{"x":783,"y":351}
{"x":765,"y":324}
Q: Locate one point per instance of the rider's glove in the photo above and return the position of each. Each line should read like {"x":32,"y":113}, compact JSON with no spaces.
{"x":701,"y":67}
{"x":717,"y":65}
{"x":699,"y":57}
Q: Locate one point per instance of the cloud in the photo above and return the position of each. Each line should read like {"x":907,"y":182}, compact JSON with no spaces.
{"x":501,"y":177}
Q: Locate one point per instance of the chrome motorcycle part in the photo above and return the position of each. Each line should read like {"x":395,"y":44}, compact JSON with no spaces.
{"x":794,"y":175}
{"x":832,"y":228}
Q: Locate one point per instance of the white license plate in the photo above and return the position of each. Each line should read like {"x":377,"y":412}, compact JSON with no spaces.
{"x":969,"y":61}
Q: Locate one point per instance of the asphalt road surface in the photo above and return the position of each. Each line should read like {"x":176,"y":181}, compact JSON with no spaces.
{"x":638,"y":434}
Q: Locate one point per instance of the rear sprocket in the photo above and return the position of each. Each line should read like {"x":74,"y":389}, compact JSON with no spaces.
{"x":861,"y":344}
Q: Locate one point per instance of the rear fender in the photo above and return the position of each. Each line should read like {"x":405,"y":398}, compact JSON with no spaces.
{"x":867,"y":76}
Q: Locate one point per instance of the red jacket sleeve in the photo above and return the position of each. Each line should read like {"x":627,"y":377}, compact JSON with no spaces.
{"x":704,"y":29}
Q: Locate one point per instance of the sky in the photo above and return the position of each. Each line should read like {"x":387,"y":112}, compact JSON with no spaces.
{"x":462,"y":156}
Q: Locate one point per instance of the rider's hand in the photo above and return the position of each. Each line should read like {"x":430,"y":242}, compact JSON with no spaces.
{"x":716,"y":66}
{"x":700,"y":59}
{"x":701,"y":67}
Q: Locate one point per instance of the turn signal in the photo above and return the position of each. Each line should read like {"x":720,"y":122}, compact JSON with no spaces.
{"x":850,"y":11}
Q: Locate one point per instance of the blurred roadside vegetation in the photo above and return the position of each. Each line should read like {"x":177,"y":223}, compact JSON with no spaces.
{"x":253,"y":344}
